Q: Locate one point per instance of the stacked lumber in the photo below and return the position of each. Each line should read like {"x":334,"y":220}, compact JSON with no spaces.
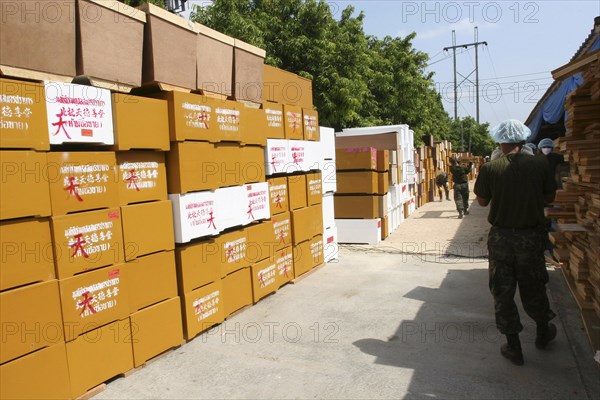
{"x":577,"y":242}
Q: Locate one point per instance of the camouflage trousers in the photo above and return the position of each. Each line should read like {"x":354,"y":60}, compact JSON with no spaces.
{"x":461,"y":196}
{"x":446,"y":190}
{"x":516,"y":258}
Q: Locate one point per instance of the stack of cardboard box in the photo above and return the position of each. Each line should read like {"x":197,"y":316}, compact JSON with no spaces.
{"x":30,"y":308}
{"x":361,"y":201}
{"x":329,"y":178}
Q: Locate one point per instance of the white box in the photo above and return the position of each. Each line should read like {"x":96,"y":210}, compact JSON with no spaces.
{"x":257,"y":205}
{"x":194,"y":215}
{"x":78,"y":114}
{"x":330,"y":244}
{"x":393,"y":175}
{"x":298,"y":159}
{"x":359,"y":230}
{"x":276,"y":156}
{"x":411,"y":206}
{"x":231,"y":207}
{"x":328,"y":176}
{"x":328,"y":210}
{"x":314,"y":155}
{"x":327,"y":139}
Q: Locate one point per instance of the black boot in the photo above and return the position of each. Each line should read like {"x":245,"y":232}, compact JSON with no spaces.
{"x":512,"y":349}
{"x":460,"y":214}
{"x":546,"y":333}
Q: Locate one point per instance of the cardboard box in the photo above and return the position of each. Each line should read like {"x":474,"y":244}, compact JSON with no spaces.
{"x":298,"y":191}
{"x":49,"y":366}
{"x":150,"y":279}
{"x":329,"y":176}
{"x":314,"y":155}
{"x":282,"y":227}
{"x":26,"y":252}
{"x":293,"y":124}
{"x":25,"y":190}
{"x":302,"y":258}
{"x":38,"y":41}
{"x":278,"y":195}
{"x":359,"y":182}
{"x":237,"y":290}
{"x":87,"y":241}
{"x":214,"y":61}
{"x":81,"y":181}
{"x":142,"y":176}
{"x":299,"y":160}
{"x":93,"y":299}
{"x":356,"y":206}
{"x":356,"y":158}
{"x":274,"y":120}
{"x":314,"y":187}
{"x":287,"y":88}
{"x":257,"y":201}
{"x":311,"y":124}
{"x":186,"y":172}
{"x":198,"y":264}
{"x":79,"y":114}
{"x":170,"y":48}
{"x":121,"y":26}
{"x":194,"y":215}
{"x":248,"y":63}
{"x":383,"y":205}
{"x":156,"y":329}
{"x":99,"y":355}
{"x":385,"y":227}
{"x":359,"y":231}
{"x":327,"y":139}
{"x":383,"y":182}
{"x":264,"y":279}
{"x":277,"y":155}
{"x":316,"y":251}
{"x":254,"y":127}
{"x":232,"y":248}
{"x":31,"y":319}
{"x":383,"y":160}
{"x":252,"y":164}
{"x":140,"y":122}
{"x":330,"y":244}
{"x":328,"y":210}
{"x":284,"y":262}
{"x":191,"y":116}
{"x":307,"y":223}
{"x":203,"y":308}
{"x":24,"y":116}
{"x":231,"y":207}
{"x":268,"y":237}
{"x":139,"y":228}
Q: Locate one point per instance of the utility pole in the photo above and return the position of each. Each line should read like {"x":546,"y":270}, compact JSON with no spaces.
{"x":466,"y":78}
{"x":462,"y":138}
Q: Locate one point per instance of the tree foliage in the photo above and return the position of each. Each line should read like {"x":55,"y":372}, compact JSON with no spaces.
{"x":358,"y":80}
{"x":482,"y":143}
{"x":135,"y":3}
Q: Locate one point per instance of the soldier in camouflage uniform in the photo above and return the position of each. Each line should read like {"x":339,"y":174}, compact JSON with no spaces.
{"x":517,"y":185}
{"x":461,"y":186}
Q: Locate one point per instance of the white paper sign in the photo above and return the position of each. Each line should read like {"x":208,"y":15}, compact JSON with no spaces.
{"x":194,"y":215}
{"x":79,"y":114}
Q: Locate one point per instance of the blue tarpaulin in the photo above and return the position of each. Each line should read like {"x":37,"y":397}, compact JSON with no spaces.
{"x":554,"y":107}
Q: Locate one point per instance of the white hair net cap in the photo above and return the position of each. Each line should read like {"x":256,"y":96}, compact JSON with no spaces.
{"x":546,"y":143}
{"x":510,"y":131}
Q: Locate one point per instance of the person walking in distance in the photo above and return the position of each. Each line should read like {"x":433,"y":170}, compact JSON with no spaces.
{"x":441,"y":181}
{"x":460,"y":176}
{"x":516,"y":186}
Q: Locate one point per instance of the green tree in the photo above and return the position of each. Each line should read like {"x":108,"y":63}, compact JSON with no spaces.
{"x":135,"y":3}
{"x":482,"y":143}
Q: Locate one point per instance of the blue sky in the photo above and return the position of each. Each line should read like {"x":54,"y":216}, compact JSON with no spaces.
{"x":526,"y":40}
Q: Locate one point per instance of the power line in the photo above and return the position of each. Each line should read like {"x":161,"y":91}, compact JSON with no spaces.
{"x":496,"y":76}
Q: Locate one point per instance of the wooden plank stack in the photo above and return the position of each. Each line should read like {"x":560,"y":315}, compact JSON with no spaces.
{"x":428,"y":158}
{"x":577,"y":244}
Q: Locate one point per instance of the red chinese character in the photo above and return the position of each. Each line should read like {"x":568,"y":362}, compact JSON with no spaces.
{"x":78,"y":246}
{"x":229,"y":253}
{"x":199,"y":309}
{"x":72,"y":188}
{"x":295,"y":124}
{"x":278,"y":201}
{"x":281,"y":237}
{"x":86,"y":303}
{"x":211,"y":221}
{"x":274,"y":163}
{"x":295,"y":157}
{"x":249,"y":212}
{"x":131,"y":180}
{"x":203,"y":118}
{"x":261,"y":279}
{"x":61,"y":124}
